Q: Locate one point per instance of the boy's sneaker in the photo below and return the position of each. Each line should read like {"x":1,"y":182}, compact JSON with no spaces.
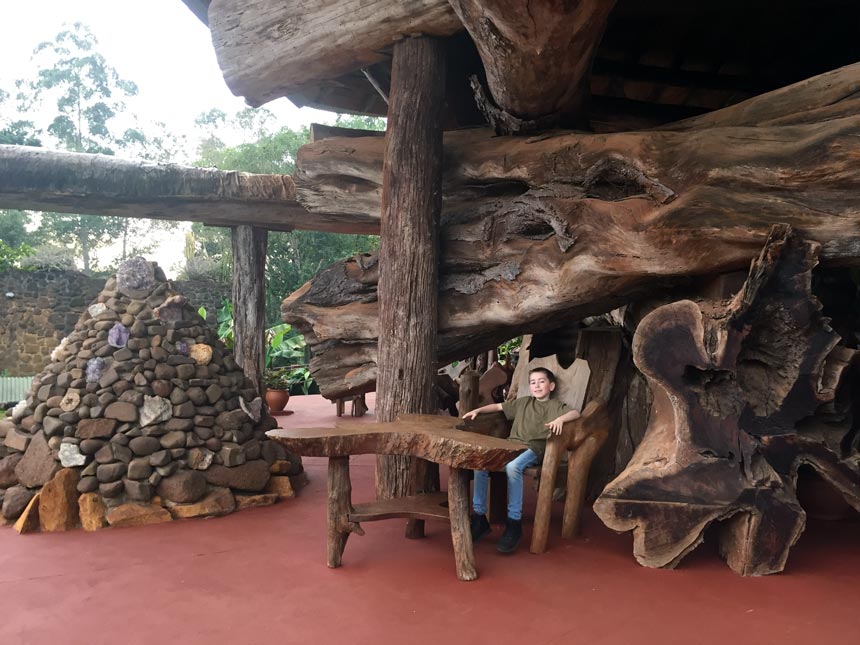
{"x":510,"y":539}
{"x":480,"y":526}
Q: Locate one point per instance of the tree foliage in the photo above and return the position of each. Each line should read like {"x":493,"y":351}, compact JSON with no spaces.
{"x":85,"y":95}
{"x":293,"y":258}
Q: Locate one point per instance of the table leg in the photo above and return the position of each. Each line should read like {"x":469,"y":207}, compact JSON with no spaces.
{"x":339,"y":506}
{"x":461,"y":536}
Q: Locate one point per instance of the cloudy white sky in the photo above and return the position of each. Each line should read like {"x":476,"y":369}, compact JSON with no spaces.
{"x":158,"y":44}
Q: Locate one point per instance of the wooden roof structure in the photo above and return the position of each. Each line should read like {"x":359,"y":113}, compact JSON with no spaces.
{"x":657,"y":61}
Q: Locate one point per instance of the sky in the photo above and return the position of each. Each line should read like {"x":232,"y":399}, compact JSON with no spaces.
{"x":158,"y":44}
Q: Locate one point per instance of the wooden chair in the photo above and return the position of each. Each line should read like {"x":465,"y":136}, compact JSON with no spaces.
{"x":581,"y":440}
{"x":574,"y":451}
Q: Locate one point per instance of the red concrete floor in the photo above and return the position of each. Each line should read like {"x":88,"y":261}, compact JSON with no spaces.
{"x":259,"y":576}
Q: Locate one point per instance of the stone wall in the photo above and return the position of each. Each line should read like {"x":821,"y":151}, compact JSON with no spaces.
{"x":46,"y":304}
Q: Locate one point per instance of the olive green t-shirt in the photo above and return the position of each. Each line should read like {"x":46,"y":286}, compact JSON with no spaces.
{"x":529,"y":417}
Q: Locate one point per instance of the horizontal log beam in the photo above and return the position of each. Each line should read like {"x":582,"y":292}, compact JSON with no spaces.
{"x":541,"y":231}
{"x":266,"y":48}
{"x":68,"y":182}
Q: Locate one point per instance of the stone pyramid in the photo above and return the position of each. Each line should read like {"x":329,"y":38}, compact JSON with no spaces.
{"x":142,"y":416}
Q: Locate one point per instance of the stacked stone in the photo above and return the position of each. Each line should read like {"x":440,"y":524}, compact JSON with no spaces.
{"x":143,"y":414}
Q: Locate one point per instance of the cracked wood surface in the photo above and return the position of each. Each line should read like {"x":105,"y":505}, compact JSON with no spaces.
{"x":537,"y":232}
{"x":425,"y":436}
{"x":68,"y":182}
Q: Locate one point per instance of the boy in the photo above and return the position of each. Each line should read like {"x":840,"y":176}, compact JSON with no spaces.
{"x":534,"y":418}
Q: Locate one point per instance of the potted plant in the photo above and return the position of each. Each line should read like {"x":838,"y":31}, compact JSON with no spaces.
{"x":281,"y":349}
{"x":277,"y":383}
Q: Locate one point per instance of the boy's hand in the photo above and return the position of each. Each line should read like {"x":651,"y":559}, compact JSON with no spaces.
{"x":471,"y":414}
{"x":555,"y":426}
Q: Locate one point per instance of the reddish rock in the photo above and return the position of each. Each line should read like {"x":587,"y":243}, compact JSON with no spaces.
{"x":8,"y":478}
{"x":252,"y":475}
{"x":38,"y":465}
{"x":219,"y":502}
{"x":185,"y":487}
{"x":137,"y":515}
{"x":58,"y":503}
{"x":91,"y":509}
{"x":17,"y":440}
{"x":95,"y":428}
{"x":28,"y":522}
{"x":280,"y":486}
{"x":121,"y":411}
{"x":252,"y":501}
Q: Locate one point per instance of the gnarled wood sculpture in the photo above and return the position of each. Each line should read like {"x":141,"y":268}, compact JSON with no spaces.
{"x":528,"y":45}
{"x":539,"y":232}
{"x":731,"y":381}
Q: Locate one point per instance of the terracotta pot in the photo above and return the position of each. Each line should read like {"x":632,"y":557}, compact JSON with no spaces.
{"x":277,"y":400}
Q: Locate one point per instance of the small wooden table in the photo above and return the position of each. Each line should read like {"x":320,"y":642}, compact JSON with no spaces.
{"x":429,"y":437}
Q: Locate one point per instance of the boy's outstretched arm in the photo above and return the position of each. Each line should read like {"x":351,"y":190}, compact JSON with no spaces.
{"x":556,"y":425}
{"x":492,"y":407}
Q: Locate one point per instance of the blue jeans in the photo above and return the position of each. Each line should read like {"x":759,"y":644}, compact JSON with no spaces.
{"x":514,"y":471}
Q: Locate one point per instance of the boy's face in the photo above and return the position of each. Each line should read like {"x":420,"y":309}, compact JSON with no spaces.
{"x":540,"y":386}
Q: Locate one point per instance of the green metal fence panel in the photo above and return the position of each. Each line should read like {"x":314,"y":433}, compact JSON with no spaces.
{"x":14,"y":388}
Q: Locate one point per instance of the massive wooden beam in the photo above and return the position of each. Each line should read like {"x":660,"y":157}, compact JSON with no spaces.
{"x":537,"y":56}
{"x":249,"y":301}
{"x":538,"y":232}
{"x":271,"y":48}
{"x":69,"y":182}
{"x":408,"y":249}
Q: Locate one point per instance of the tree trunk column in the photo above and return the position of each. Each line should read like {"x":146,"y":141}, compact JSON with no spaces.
{"x":249,"y":300}
{"x":408,"y":248}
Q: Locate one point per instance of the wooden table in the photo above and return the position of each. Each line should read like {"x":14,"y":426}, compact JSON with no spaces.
{"x":429,"y":437}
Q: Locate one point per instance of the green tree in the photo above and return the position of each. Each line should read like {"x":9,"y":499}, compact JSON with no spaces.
{"x":294,"y":257}
{"x":85,"y":90}
{"x":13,"y":228}
{"x":86,"y":94}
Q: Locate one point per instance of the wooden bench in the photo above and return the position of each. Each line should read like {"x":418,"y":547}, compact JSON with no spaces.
{"x":432,"y":438}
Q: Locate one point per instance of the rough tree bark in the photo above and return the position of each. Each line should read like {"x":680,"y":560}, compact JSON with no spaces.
{"x":731,"y":380}
{"x":249,"y":301}
{"x":408,"y":249}
{"x":543,"y":231}
{"x":73,"y":182}
{"x":537,"y":56}
{"x":273,"y":48}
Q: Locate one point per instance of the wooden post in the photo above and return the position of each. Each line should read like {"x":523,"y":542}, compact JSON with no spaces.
{"x":339,"y":507}
{"x":458,"y":512}
{"x":408,"y":249}
{"x":249,"y":300}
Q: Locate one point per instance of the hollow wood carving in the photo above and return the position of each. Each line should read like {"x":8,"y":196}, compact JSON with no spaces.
{"x":731,"y":381}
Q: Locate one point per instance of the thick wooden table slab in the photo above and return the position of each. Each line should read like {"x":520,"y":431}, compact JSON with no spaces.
{"x":428,"y":437}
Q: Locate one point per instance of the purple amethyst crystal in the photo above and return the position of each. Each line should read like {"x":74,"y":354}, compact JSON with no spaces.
{"x":118,"y":335}
{"x":182,"y":347}
{"x":95,"y":369}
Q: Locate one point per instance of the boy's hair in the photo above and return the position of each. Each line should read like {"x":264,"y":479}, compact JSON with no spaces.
{"x":549,"y":375}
